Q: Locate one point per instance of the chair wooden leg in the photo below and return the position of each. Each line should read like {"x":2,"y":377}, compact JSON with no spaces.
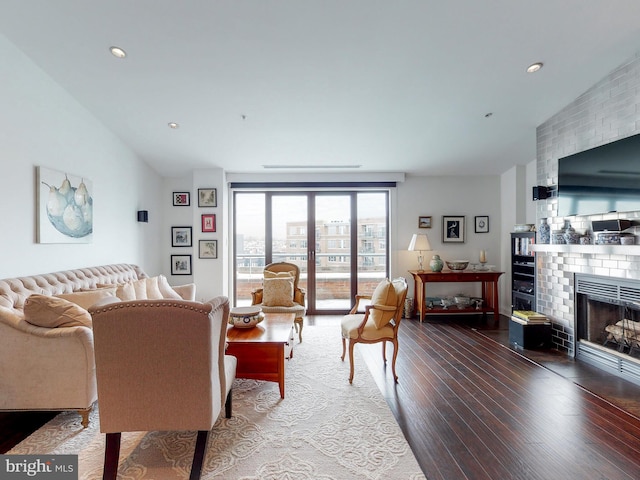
{"x":84,"y":413}
{"x":111,"y":456}
{"x":384,"y":352}
{"x":344,"y":348}
{"x":393,"y":361}
{"x":198,"y":455}
{"x":227,"y":404}
{"x":299,"y":324}
{"x":351,"y":345}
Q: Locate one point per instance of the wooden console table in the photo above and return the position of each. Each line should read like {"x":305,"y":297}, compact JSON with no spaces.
{"x":488,"y":279}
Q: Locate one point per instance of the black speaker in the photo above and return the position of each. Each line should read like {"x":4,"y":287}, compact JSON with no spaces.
{"x":143,"y":216}
{"x":540,"y":193}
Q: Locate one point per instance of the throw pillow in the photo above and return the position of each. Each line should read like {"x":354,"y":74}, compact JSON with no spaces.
{"x":88,"y":297}
{"x":167,"y":290}
{"x":384,"y":295}
{"x":52,"y":312}
{"x":278,"y":292}
{"x":153,"y":290}
{"x":126,"y":292}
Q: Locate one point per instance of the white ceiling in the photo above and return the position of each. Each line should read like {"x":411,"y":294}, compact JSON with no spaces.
{"x":398,"y":86}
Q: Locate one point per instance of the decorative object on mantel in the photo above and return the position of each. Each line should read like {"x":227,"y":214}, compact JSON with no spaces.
{"x":419,"y":243}
{"x":569,"y":234}
{"x":557,"y":237}
{"x":544,"y":231}
{"x":436,"y":264}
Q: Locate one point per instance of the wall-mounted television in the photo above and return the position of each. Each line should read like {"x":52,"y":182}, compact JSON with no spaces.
{"x":600,"y":180}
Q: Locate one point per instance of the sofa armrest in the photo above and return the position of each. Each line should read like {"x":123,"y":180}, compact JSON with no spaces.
{"x":187,"y":291}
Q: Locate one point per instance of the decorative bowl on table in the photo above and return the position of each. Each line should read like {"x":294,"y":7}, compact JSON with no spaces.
{"x":245,"y":317}
{"x":457,"y":264}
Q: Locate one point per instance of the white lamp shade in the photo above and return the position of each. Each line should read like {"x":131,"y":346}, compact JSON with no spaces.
{"x":419,"y":242}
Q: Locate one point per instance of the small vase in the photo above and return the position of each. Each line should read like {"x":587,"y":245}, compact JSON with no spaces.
{"x":436,"y":264}
{"x":544,"y":231}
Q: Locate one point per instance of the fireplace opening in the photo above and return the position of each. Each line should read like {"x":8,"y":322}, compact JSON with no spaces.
{"x":607,"y":324}
{"x":611,"y":324}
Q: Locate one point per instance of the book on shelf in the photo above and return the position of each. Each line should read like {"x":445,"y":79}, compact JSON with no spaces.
{"x":529,"y":316}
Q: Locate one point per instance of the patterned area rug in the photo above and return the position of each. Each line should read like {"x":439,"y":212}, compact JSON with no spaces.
{"x":324,"y":429}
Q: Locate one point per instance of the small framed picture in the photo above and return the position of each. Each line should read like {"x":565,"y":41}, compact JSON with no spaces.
{"x":180,"y":264}
{"x":453,"y":229}
{"x":482,"y":224}
{"x":207,"y":249}
{"x":209,"y":222}
{"x":424,"y":222}
{"x":181,"y":199}
{"x":207,"y":197}
{"x":181,"y":237}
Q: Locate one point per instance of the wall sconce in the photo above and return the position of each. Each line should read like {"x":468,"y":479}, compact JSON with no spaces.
{"x":143,"y":216}
{"x":420,"y":243}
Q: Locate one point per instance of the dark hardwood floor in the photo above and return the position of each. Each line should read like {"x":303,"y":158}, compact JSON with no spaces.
{"x":473,"y":408}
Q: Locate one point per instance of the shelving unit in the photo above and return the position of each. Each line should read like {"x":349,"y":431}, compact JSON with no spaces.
{"x":523,"y":271}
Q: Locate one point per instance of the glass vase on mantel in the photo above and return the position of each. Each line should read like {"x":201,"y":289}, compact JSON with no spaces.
{"x":544,"y":231}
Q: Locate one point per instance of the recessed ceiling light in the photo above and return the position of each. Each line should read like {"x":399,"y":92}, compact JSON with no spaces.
{"x":534,"y":67}
{"x":118,"y":52}
{"x":173,"y":125}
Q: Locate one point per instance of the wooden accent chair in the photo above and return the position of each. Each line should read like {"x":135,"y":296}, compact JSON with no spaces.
{"x":280,"y":292}
{"x":161,"y":366}
{"x":379,"y":322}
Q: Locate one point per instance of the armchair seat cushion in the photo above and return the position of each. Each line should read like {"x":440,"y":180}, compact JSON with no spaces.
{"x":299,"y":310}
{"x":350,"y":323}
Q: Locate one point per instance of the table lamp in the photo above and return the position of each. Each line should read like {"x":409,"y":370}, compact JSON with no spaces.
{"x":420,"y":243}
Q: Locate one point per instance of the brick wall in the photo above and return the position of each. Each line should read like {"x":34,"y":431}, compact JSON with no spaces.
{"x":608,"y":111}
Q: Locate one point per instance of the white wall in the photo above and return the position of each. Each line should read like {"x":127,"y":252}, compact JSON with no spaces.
{"x":438,"y":196}
{"x":41,"y":125}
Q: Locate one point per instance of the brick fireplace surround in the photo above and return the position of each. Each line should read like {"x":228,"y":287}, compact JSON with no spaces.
{"x":608,"y":111}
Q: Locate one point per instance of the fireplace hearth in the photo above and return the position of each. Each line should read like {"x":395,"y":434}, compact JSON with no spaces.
{"x":607,"y":324}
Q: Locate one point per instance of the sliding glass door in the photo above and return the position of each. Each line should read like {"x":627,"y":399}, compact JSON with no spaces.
{"x":337,"y":239}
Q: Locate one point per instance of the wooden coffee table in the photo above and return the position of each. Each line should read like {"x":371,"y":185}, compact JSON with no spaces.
{"x":261,"y":350}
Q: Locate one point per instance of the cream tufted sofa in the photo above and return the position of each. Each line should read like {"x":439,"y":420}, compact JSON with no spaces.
{"x":53,"y":368}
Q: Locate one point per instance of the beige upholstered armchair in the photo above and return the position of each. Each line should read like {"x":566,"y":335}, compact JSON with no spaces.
{"x":161,"y":365}
{"x":280,"y":292}
{"x":379,"y":322}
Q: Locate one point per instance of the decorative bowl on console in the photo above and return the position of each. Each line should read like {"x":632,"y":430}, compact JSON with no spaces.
{"x":457,"y":265}
{"x":523,"y":227}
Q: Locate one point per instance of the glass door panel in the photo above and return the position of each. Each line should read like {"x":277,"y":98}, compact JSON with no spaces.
{"x":289,"y":232}
{"x":333,"y":254}
{"x":372,"y":240}
{"x":249,"y":248}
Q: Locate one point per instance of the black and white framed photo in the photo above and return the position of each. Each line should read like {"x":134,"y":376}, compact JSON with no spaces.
{"x":482,"y":224}
{"x":181,"y":237}
{"x":424,"y":222}
{"x":453,"y":229}
{"x":180,"y":264}
{"x":207,"y":249}
{"x":207,"y":197}
{"x":181,"y":199}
